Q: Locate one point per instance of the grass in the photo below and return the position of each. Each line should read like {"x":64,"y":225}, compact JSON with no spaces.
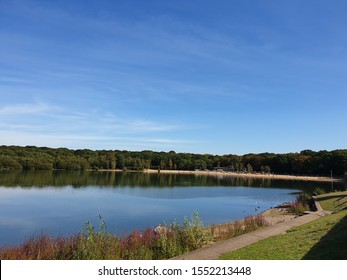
{"x":324,"y":238}
{"x":334,"y":201}
{"x":163,"y":242}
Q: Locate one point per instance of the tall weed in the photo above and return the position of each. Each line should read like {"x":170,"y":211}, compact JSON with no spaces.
{"x":229,"y":230}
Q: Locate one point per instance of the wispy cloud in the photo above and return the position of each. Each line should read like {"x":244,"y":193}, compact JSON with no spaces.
{"x":14,"y":80}
{"x":45,"y":124}
{"x":27,"y":109}
{"x":90,"y":141}
{"x":171,"y":62}
{"x":63,"y":117}
{"x":104,"y":122}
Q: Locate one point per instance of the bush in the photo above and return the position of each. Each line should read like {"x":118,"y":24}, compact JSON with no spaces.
{"x":193,"y":233}
{"x":297,"y":208}
{"x":319,"y":191}
{"x":175,"y":239}
{"x":305,"y":201}
{"x":94,"y":245}
{"x":304,"y":198}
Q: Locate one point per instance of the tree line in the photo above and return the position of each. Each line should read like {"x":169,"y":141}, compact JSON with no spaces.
{"x":306,"y":162}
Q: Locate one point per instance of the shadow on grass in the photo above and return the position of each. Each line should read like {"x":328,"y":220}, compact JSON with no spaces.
{"x":333,"y":246}
{"x":339,"y":202}
{"x":333,"y":196}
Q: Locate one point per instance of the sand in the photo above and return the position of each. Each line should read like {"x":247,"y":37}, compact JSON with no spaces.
{"x":247,"y":175}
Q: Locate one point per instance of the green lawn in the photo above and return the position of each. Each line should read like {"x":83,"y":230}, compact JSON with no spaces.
{"x":325,"y":238}
{"x":333,"y":201}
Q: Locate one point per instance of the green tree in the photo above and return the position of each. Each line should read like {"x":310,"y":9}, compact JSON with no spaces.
{"x":249,"y":168}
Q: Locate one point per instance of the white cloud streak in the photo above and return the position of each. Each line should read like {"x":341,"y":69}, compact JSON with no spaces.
{"x":44,"y":124}
{"x":89,"y":141}
{"x":27,"y":109}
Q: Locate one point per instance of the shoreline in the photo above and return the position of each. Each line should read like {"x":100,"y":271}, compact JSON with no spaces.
{"x":235,"y":174}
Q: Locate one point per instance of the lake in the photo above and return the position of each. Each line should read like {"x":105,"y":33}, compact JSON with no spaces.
{"x":60,"y":202}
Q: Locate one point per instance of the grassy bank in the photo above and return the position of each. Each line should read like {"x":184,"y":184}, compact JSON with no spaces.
{"x":333,"y":202}
{"x":324,"y":238}
{"x":163,"y":242}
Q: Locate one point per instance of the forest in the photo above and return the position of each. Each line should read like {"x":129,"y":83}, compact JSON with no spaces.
{"x":306,"y":162}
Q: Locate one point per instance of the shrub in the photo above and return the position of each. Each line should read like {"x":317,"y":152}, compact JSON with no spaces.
{"x":319,"y":191}
{"x":193,"y":233}
{"x":169,"y":243}
{"x":136,"y":246}
{"x":303,"y":203}
{"x":94,"y":245}
{"x":176,"y":239}
{"x":304,"y":198}
{"x":297,"y":208}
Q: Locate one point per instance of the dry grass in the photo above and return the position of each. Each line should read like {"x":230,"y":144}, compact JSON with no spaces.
{"x":229,"y":230}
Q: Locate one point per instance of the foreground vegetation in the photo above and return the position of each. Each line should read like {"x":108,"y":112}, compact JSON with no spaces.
{"x":306,"y":162}
{"x":162,"y":242}
{"x":324,"y":238}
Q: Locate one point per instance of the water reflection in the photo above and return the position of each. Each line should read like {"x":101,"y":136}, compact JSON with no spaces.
{"x":60,"y":202}
{"x":76,"y":179}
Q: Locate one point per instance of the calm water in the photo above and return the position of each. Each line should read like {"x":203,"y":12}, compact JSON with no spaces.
{"x":59,"y":203}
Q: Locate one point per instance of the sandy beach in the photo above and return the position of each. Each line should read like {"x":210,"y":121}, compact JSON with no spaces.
{"x":247,"y":175}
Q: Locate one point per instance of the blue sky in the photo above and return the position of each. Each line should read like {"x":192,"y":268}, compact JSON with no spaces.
{"x":215,"y":77}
